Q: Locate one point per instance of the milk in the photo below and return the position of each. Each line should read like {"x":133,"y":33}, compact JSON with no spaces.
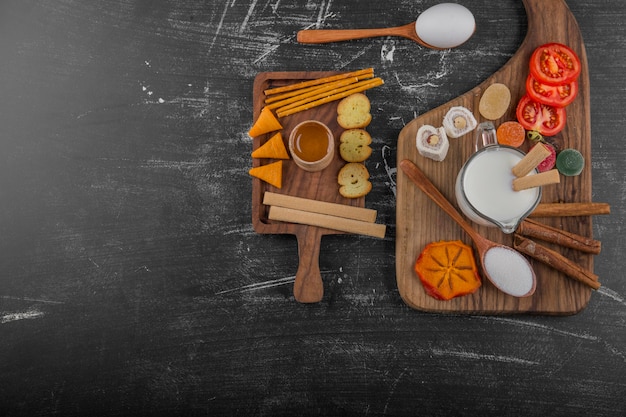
{"x":485,"y":193}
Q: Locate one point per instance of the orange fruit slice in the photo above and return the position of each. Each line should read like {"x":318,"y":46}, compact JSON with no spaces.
{"x":511,"y":133}
{"x":447,"y":269}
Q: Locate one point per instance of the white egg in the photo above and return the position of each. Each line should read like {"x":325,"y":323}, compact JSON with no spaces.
{"x":445,"y":25}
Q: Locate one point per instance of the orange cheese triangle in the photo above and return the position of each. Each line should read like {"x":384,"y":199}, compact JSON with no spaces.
{"x":266,"y":123}
{"x":270,"y":173}
{"x":274,"y":148}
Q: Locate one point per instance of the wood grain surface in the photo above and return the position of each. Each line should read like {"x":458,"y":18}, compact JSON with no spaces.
{"x":133,"y":282}
{"x":421,"y":222}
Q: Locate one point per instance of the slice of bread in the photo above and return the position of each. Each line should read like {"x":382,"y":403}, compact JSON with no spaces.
{"x":265,"y":123}
{"x":354,"y":145}
{"x":353,"y":112}
{"x":353,"y":180}
{"x":270,"y":173}
{"x":274,"y":148}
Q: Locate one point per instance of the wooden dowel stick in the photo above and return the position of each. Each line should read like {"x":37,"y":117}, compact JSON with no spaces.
{"x":537,"y":154}
{"x":316,"y":81}
{"x":375,"y":82}
{"x":537,"y":180}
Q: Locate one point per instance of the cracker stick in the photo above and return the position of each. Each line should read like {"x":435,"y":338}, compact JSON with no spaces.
{"x":282,"y":96}
{"x":375,"y":82}
{"x":316,"y":81}
{"x":322,"y":95}
{"x":317,"y":92}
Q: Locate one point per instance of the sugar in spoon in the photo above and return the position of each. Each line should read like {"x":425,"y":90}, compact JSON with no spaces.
{"x":505,"y":267}
{"x":443,"y":26}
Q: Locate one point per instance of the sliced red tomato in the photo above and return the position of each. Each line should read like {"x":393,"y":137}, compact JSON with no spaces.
{"x":554,"y":64}
{"x":543,"y":118}
{"x":552,"y":95}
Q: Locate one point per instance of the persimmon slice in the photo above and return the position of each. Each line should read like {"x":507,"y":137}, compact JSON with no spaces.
{"x":447,"y":269}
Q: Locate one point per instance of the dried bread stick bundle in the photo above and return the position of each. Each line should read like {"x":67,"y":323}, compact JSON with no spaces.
{"x":310,"y":93}
{"x":317,"y":81}
{"x":374,"y":82}
{"x":308,"y":98}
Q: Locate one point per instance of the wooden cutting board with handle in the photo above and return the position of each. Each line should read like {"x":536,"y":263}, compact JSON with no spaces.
{"x":420,"y":221}
{"x":322,"y":185}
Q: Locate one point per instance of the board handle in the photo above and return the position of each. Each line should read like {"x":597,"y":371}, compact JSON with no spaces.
{"x":308,"y":286}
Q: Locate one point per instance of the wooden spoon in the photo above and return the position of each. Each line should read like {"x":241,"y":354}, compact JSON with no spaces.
{"x":443,"y":26}
{"x":504,"y":280}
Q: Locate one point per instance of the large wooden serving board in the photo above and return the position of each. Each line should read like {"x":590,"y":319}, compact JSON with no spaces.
{"x":420,"y":221}
{"x":322,"y":185}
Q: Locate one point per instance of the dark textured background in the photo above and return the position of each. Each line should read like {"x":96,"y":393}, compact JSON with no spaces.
{"x":132,"y":283}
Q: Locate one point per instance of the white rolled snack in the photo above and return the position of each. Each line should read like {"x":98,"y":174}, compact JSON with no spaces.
{"x":432,"y":142}
{"x":459,"y":121}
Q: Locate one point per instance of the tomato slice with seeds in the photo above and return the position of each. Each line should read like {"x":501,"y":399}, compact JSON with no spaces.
{"x":543,"y":118}
{"x":554,"y":64}
{"x":553,"y":95}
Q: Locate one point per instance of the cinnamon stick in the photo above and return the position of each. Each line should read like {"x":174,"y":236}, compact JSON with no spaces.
{"x":570,"y":209}
{"x":556,"y":261}
{"x":532,"y":228}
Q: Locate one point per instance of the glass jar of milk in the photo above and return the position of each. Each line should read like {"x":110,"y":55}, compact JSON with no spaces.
{"x":484,"y":185}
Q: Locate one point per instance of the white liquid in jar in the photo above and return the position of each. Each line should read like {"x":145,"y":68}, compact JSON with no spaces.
{"x":509,"y":271}
{"x":488,"y":186}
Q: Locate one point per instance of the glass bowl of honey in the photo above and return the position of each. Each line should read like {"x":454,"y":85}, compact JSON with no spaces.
{"x":312,"y":145}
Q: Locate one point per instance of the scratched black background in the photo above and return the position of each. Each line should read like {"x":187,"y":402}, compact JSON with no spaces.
{"x":132,"y":283}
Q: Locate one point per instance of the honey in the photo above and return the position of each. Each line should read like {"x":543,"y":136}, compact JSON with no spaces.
{"x":311,"y":141}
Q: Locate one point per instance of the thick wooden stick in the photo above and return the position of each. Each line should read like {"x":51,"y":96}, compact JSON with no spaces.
{"x":532,"y":228}
{"x":556,"y":261}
